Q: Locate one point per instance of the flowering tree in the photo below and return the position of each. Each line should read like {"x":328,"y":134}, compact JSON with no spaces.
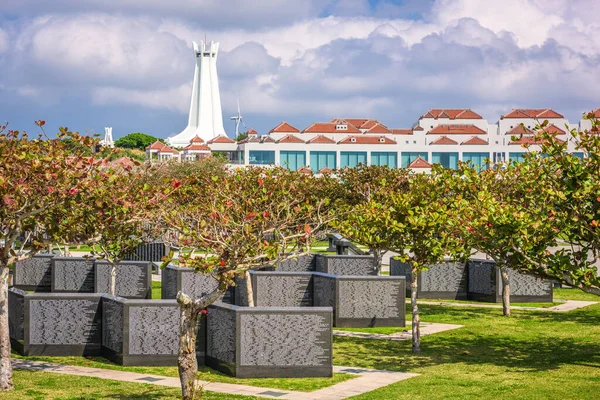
{"x":239,"y":221}
{"x":509,"y":214}
{"x":368,"y":185}
{"x":41,"y":181}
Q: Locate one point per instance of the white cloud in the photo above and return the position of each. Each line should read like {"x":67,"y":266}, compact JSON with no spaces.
{"x":4,"y":43}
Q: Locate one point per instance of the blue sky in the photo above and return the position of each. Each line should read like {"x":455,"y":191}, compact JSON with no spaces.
{"x":128,"y":63}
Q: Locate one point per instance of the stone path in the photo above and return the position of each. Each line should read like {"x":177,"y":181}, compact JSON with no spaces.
{"x":427,"y":328}
{"x":568,"y":305}
{"x":367,"y":380}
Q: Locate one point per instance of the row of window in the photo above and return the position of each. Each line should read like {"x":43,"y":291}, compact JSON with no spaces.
{"x":321,"y":159}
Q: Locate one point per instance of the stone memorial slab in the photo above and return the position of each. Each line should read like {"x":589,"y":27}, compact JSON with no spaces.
{"x":446,"y":280}
{"x":303,"y":263}
{"x":34,"y":273}
{"x":346,"y":264}
{"x":253,"y":342}
{"x":133,"y":279}
{"x":62,"y":324}
{"x":73,"y":275}
{"x":282,"y":289}
{"x":16,"y":318}
{"x":185,"y":279}
{"x":144,"y":332}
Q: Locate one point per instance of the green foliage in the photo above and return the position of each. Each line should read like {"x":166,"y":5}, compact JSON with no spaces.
{"x":241,"y":136}
{"x":118,"y":152}
{"x":136,"y":140}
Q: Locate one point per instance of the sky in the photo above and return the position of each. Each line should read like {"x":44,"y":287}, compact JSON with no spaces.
{"x":87,"y":64}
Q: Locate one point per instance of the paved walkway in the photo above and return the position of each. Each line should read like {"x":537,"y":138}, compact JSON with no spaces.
{"x":568,"y":305}
{"x":427,"y":328}
{"x":367,"y":380}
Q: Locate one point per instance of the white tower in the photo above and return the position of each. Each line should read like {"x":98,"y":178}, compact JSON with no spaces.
{"x":206,"y":118}
{"x":108,"y":139}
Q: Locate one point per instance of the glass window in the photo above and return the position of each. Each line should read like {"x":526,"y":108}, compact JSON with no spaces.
{"x":293,"y":160}
{"x":322,"y":159}
{"x":261,"y":157}
{"x":409,"y":157}
{"x":383,"y":158}
{"x":578,"y":154}
{"x":352,"y":158}
{"x":518,"y":157}
{"x":477,"y":159}
{"x":447,"y":160}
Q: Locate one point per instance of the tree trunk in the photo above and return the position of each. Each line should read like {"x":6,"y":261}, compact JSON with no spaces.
{"x":416,"y":321}
{"x":186,"y":360}
{"x":6,"y":382}
{"x":113,"y":279}
{"x":249,"y":291}
{"x":378,"y":254}
{"x":505,"y":290}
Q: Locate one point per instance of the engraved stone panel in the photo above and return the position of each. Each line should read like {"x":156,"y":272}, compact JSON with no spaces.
{"x":148,"y":252}
{"x":240,"y":292}
{"x":220,"y":334}
{"x":324,"y":292}
{"x":34,"y":273}
{"x":444,"y":277}
{"x":287,"y":289}
{"x":197,"y":284}
{"x":153,"y":330}
{"x":304,"y":263}
{"x":16,"y":313}
{"x":399,"y":268}
{"x":527,"y":285}
{"x":74,"y":321}
{"x":133,"y":279}
{"x":169,"y":283}
{"x":285,"y":339}
{"x":346,"y":265}
{"x":72,"y":274}
{"x":112,"y":323}
{"x":377,"y":298}
{"x":481,"y":277}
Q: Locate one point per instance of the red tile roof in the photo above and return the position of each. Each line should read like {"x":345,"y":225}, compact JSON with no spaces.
{"x":267,"y":139}
{"x":529,"y":140}
{"x":156,"y":146}
{"x":457,"y":130}
{"x":378,"y":128}
{"x":554,"y":129}
{"x":321,"y":139}
{"x":402,"y":131}
{"x":325,"y":170}
{"x":475,"y":140}
{"x":196,"y":139}
{"x":329,"y":127}
{"x":520,"y":130}
{"x":596,"y":113}
{"x":305,"y":170}
{"x":196,"y":147}
{"x":444,"y":140}
{"x":251,"y":131}
{"x":419,"y":163}
{"x":451,"y":113}
{"x":284,"y":127}
{"x":362,"y":139}
{"x":290,"y":139}
{"x":418,"y":128}
{"x":221,"y":139}
{"x":535,"y":113}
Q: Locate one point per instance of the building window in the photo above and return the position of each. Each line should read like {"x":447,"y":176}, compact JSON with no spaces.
{"x":322,"y":159}
{"x":408,"y":157}
{"x":477,"y":160}
{"x":352,"y":158}
{"x":517,"y":157}
{"x":578,"y":155}
{"x":292,"y":160}
{"x":498,"y":157}
{"x":341,"y":127}
{"x":383,"y":158}
{"x":447,"y":160}
{"x":261,"y":157}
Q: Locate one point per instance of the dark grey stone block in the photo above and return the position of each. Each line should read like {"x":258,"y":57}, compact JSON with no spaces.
{"x":255,"y":342}
{"x":133,"y":279}
{"x":73,"y":274}
{"x":153,"y":252}
{"x":446,"y":280}
{"x":175,"y":279}
{"x":282,"y":289}
{"x":346,"y":264}
{"x":303,"y":263}
{"x":59,"y":324}
{"x":144,"y":332}
{"x":34,"y":273}
{"x":16,"y":318}
{"x":485,"y":284}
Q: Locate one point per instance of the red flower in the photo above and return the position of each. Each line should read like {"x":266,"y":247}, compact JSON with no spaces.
{"x":176,"y":184}
{"x":222,"y":263}
{"x":265,"y":214}
{"x":204,"y":312}
{"x":260,"y":181}
{"x":470,"y":229}
{"x":73,"y":191}
{"x":40,"y":122}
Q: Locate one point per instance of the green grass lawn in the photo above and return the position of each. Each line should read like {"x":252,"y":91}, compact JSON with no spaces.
{"x":156,"y":290}
{"x":532,"y":305}
{"x":47,"y":385}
